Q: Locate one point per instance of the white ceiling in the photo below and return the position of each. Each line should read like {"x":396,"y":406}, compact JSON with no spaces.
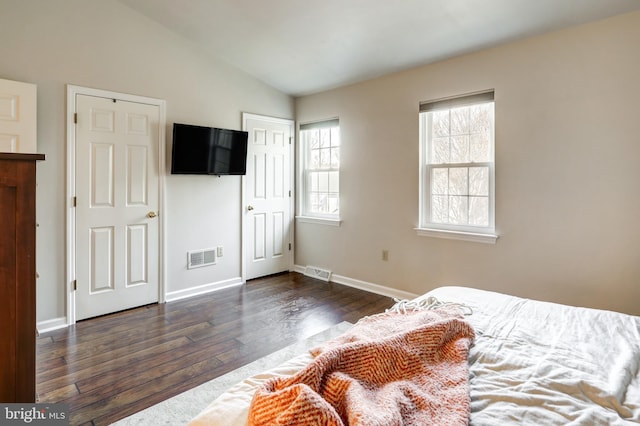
{"x":307,"y":46}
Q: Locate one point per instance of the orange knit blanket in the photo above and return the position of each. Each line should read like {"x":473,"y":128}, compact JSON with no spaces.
{"x":389,"y":369}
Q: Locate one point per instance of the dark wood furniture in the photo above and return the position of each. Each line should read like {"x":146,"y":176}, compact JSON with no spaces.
{"x":18,"y":277}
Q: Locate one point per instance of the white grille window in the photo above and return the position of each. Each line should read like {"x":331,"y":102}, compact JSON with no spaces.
{"x":457,"y":167}
{"x":320,"y":160}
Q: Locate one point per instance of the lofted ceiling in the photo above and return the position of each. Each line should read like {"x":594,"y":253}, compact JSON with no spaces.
{"x":306,"y":46}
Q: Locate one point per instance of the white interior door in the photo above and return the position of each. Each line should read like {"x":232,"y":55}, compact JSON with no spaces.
{"x":268,"y":204}
{"x":117,"y":228}
{"x":18,"y":126}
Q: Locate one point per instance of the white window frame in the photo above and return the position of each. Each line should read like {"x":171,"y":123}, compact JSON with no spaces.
{"x":305,"y":214}
{"x":427,"y":227}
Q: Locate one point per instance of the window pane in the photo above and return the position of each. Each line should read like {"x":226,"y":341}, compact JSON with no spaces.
{"x":480,"y":147}
{"x":440,"y":150}
{"x":334,"y":182}
{"x":458,"y":181}
{"x":439,"y":209}
{"x":325,"y":138}
{"x":458,"y":210}
{"x":314,"y":159}
{"x":314,"y":138}
{"x":480,"y":118}
{"x":479,"y":211}
{"x":325,"y":158}
{"x":479,"y":181}
{"x":335,"y":158}
{"x":323,"y":206}
{"x":333,"y":203}
{"x":439,"y":181}
{"x":314,"y":202}
{"x":323,"y":181}
{"x":440,"y":123}
{"x":313,"y":181}
{"x":460,"y":121}
{"x":460,"y":149}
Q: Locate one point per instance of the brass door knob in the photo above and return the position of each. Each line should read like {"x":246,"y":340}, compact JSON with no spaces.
{"x":151,"y":215}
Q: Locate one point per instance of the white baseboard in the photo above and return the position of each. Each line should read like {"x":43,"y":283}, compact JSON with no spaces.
{"x":202,"y":289}
{"x":52,"y":324}
{"x":56,"y":323}
{"x":366,"y":286}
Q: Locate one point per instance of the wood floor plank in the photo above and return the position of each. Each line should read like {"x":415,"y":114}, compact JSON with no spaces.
{"x":59,"y":393}
{"x":155,"y":366}
{"x":110,"y":367}
{"x":111,"y":401}
{"x":106,"y":361}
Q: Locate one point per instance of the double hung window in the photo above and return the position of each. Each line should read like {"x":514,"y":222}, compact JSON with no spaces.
{"x":320,"y":170}
{"x":457,"y":168}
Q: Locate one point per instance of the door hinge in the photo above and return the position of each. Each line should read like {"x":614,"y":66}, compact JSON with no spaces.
{"x":75,"y":201}
{"x":75,"y":285}
{"x":290,"y":139}
{"x":289,"y":193}
{"x":289,"y":246}
{"x":75,"y":118}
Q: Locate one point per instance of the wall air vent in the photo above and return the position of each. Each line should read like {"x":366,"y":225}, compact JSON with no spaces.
{"x":199,"y":258}
{"x":319,"y":273}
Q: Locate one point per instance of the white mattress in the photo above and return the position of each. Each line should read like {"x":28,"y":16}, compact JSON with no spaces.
{"x":533,"y":363}
{"x":538,"y":363}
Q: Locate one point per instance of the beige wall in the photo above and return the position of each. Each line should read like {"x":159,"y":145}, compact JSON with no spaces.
{"x":103,"y":44}
{"x":567,"y":191}
{"x":567,"y":148}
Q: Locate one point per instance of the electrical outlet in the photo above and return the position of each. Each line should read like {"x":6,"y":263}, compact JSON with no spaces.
{"x":385,"y":255}
{"x":219,"y":251}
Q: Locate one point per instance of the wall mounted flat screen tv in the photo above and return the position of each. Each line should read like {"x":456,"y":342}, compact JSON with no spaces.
{"x":199,"y":150}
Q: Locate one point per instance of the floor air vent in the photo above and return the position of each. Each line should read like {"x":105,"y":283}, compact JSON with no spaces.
{"x":319,"y":273}
{"x":198,"y":258}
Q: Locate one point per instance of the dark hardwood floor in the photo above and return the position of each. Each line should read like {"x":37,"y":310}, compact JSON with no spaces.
{"x":110,"y":367}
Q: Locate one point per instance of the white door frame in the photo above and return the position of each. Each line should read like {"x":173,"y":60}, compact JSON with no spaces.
{"x":248,"y":116}
{"x":70,"y":275}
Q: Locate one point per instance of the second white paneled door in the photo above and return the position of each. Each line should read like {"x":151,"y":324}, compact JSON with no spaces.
{"x":18,"y":125}
{"x":267,"y":196}
{"x":117,"y":228}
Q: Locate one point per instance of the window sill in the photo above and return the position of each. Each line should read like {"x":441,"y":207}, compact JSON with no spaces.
{"x":457,"y":235}
{"x":319,"y":220}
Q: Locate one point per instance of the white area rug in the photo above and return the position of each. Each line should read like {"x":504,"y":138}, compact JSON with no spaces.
{"x":182,"y":408}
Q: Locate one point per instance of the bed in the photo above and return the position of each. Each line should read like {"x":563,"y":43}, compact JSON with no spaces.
{"x":531,"y":363}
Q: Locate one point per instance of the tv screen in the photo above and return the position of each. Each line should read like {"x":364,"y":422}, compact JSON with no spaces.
{"x":208,"y":150}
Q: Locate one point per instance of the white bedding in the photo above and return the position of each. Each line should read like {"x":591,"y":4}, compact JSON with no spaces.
{"x":533,"y":363}
{"x":540,"y":363}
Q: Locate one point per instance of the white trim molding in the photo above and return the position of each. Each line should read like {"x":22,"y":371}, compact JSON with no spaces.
{"x":457,"y":235}
{"x":203,"y":289}
{"x":318,"y":220}
{"x":52,"y":324}
{"x":366,"y":286}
